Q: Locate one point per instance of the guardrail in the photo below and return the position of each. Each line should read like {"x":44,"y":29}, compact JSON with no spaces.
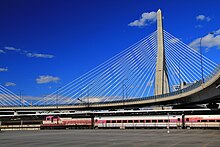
{"x":215,"y":71}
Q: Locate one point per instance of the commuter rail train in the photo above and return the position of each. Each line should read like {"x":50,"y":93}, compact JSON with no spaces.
{"x":129,"y":122}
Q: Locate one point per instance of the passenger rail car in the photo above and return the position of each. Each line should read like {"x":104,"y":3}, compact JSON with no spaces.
{"x":126,"y":122}
{"x":162,"y":121}
{"x":202,"y":121}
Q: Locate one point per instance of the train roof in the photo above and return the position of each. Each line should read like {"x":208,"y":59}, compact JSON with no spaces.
{"x":118,"y":112}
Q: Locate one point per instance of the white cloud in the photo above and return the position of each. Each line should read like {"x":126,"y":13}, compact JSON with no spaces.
{"x":27,"y":53}
{"x":203,"y":17}
{"x":12,"y":49}
{"x":47,"y":79}
{"x":199,"y":26}
{"x":217,"y":32}
{"x":1,"y":51}
{"x":9,"y":84}
{"x":3,"y":69}
{"x":174,"y":40}
{"x":146,"y":19}
{"x":31,"y":55}
{"x":32,"y":98}
{"x":149,"y":83}
{"x":208,"y":41}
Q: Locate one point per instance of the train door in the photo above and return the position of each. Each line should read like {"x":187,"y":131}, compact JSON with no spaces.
{"x":179,"y":122}
{"x":183,"y":121}
{"x":92,"y":121}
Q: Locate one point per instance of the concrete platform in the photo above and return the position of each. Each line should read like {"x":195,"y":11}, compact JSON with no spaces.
{"x":110,"y":138}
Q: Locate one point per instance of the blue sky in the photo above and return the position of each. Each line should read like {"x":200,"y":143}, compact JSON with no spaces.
{"x":46,"y":44}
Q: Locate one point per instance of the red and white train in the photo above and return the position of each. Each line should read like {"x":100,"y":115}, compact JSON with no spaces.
{"x":123,"y":122}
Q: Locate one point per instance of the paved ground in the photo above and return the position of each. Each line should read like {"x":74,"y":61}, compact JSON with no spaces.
{"x":108,"y":138}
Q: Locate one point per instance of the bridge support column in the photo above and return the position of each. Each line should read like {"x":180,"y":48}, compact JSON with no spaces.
{"x":161,"y":80}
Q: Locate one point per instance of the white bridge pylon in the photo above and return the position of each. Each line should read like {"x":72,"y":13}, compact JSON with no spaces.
{"x":161,"y":85}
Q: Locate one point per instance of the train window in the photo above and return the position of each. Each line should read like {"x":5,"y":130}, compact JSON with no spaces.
{"x":107,"y":121}
{"x":48,"y":118}
{"x":154,"y":120}
{"x":130,"y":121}
{"x":141,"y":121}
{"x":203,"y":120}
{"x":135,"y":121}
{"x":119,"y":121}
{"x":187,"y":119}
{"x":211,"y":120}
{"x":113,"y":121}
{"x":166,"y":120}
{"x":160,"y":120}
{"x":198,"y":120}
{"x":178,"y":119}
{"x":217,"y":120}
{"x":124,"y":121}
{"x":147,"y":121}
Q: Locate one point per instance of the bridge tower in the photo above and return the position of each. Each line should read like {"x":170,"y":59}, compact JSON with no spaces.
{"x":161,"y":80}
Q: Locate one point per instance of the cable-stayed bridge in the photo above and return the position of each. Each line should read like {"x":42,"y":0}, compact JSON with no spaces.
{"x":157,"y":70}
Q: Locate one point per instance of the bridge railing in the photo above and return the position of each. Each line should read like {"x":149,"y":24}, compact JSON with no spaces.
{"x":216,"y":70}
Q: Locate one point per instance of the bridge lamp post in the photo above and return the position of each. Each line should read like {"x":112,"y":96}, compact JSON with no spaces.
{"x":21,"y":97}
{"x":123,"y":88}
{"x":179,"y":74}
{"x":89,"y":92}
{"x":80,"y":99}
{"x":201,"y":56}
{"x":179,"y":70}
{"x":57,"y":96}
{"x":44,"y":99}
